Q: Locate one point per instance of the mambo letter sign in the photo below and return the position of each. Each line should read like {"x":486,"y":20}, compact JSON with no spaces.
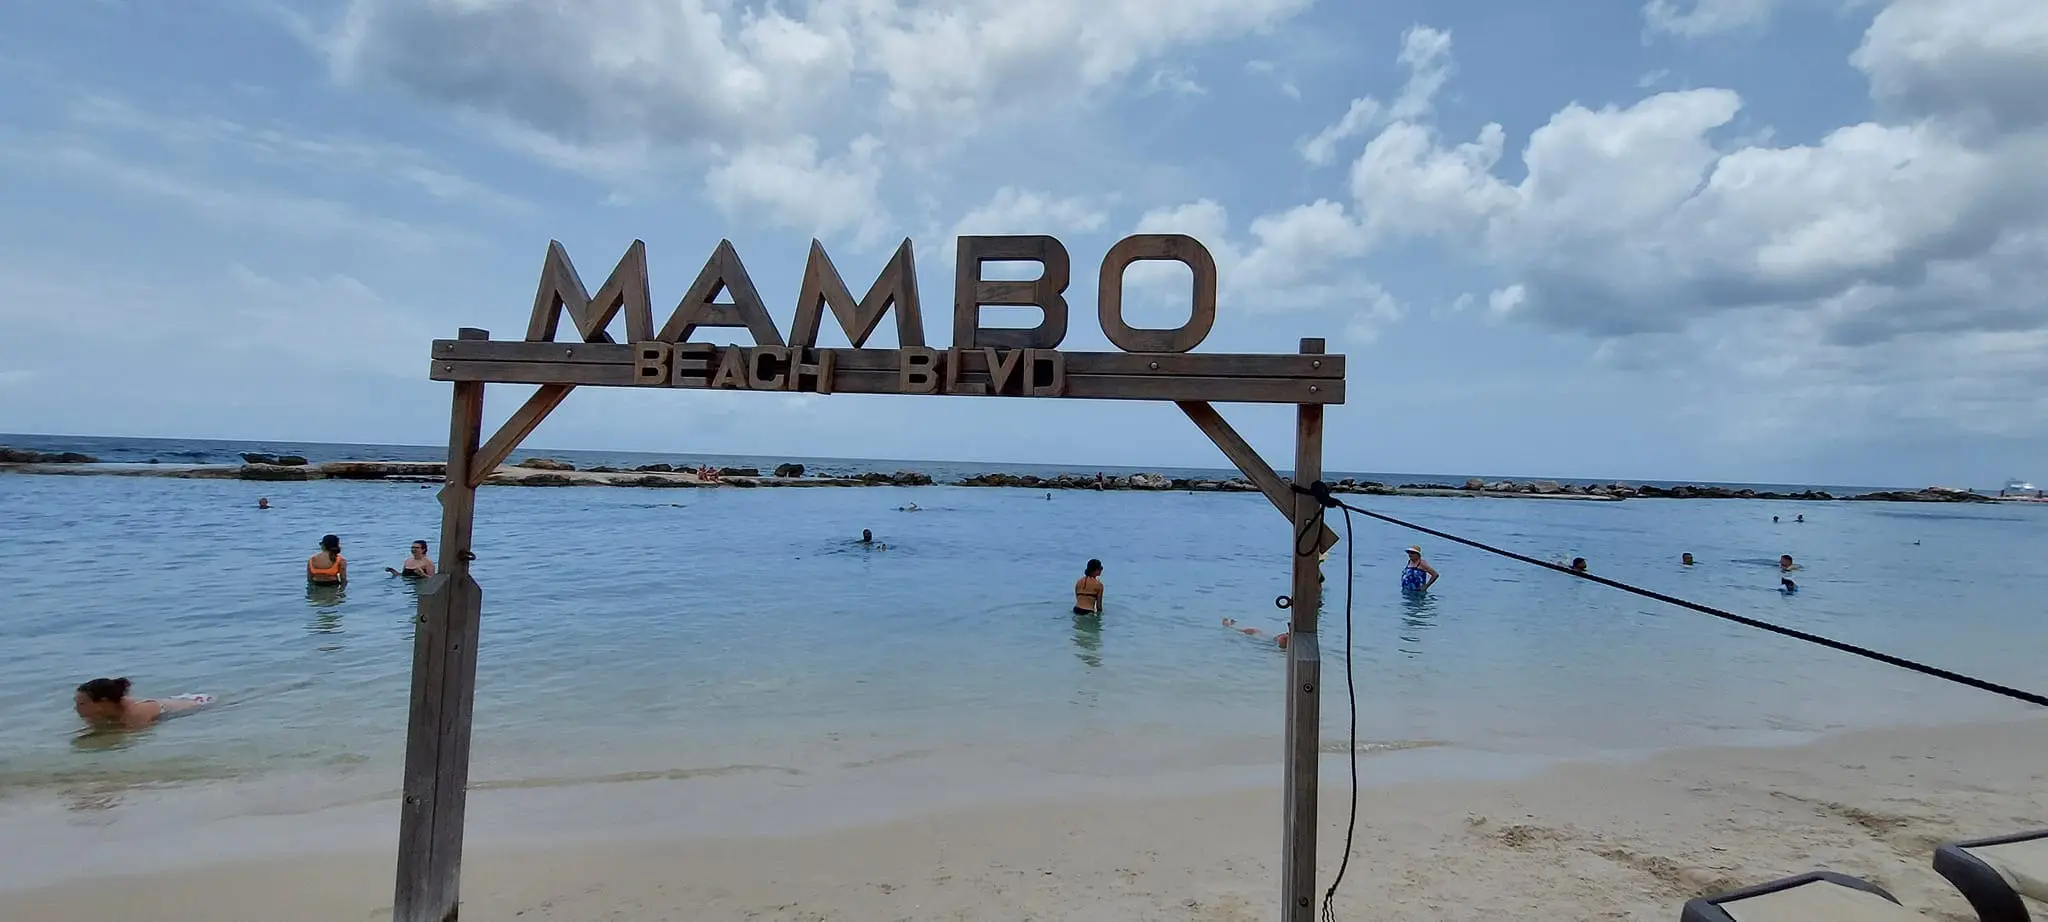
{"x":1155,"y":364}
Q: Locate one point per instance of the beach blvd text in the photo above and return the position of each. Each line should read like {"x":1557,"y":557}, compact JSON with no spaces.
{"x":917,"y":369}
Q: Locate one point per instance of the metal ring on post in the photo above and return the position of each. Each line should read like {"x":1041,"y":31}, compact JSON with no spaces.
{"x":1283,"y":602}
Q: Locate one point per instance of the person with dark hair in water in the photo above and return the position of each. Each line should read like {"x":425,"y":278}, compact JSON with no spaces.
{"x":1578,"y":565}
{"x":104,"y":705}
{"x":326,"y":567}
{"x":418,"y":566}
{"x":1088,"y":590}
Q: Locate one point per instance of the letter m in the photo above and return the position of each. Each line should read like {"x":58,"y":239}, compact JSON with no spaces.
{"x":823,"y":287}
{"x":561,"y":289}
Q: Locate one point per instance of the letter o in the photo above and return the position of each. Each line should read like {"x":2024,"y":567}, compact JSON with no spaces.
{"x":1109,"y":297}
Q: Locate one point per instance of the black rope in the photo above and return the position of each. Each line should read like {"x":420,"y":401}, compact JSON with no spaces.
{"x":1350,"y":694}
{"x":1321,"y":492}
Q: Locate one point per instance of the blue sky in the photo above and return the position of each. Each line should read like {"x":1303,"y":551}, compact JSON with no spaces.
{"x":1765,"y":240}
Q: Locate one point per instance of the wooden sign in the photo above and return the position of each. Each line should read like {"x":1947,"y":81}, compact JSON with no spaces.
{"x":1155,"y":364}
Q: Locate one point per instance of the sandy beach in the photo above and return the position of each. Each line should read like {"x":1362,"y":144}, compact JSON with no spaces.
{"x":1579,"y":841}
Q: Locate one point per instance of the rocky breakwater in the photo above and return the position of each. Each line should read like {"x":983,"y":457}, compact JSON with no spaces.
{"x":24,"y":456}
{"x":1928,"y":495}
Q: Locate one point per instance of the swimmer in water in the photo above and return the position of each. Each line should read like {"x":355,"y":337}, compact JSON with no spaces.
{"x":104,"y":705}
{"x":867,"y":538}
{"x":418,"y":566}
{"x":1685,"y":558}
{"x":1785,"y":564}
{"x":1800,"y":519}
{"x":1578,"y":565}
{"x":912,"y":508}
{"x":262,"y":502}
{"x":1280,"y":639}
{"x":1787,"y":586}
{"x":1418,"y":575}
{"x":1088,"y":590}
{"x":327,"y":567}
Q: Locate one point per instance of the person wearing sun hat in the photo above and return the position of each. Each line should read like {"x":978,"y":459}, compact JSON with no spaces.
{"x":1418,"y":575}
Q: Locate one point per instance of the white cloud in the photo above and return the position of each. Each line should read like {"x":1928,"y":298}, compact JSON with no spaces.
{"x":1179,"y":81}
{"x":625,"y":84}
{"x":1321,"y":150}
{"x":1019,"y":211}
{"x":794,"y":188}
{"x":1918,"y":240}
{"x":1426,"y":54}
{"x":1703,"y":18}
{"x":1980,"y":61}
{"x":1303,"y":258}
{"x":220,"y":139}
{"x":232,"y":204}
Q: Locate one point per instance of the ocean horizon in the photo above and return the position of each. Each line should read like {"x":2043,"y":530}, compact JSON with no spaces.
{"x":136,"y":450}
{"x":743,"y":645}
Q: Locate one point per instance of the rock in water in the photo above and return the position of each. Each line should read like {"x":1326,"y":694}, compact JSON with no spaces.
{"x":1151,"y":482}
{"x":789,"y":470}
{"x":545,"y":464}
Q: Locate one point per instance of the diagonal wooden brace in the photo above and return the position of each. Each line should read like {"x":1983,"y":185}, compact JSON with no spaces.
{"x":1247,"y":460}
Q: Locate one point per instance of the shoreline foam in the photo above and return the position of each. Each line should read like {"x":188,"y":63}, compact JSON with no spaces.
{"x":1582,"y":841}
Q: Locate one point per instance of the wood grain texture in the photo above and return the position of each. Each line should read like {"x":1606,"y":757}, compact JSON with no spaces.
{"x":1304,"y":674}
{"x":865,"y":377}
{"x":1047,"y":292}
{"x":1109,"y":293}
{"x":515,"y":430}
{"x":1201,"y":364}
{"x":1255,"y":469}
{"x":1303,"y":764}
{"x":895,"y":287}
{"x":561,"y":290}
{"x":723,"y":272}
{"x":436,"y":773}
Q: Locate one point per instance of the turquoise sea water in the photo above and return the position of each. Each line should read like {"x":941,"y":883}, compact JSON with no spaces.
{"x":634,"y":633}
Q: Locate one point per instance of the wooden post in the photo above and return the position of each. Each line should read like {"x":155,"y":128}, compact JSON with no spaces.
{"x":443,"y":689}
{"x":1304,"y":673}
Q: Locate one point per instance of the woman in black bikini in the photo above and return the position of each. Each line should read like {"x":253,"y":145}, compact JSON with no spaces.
{"x":418,"y":566}
{"x":1088,"y":590}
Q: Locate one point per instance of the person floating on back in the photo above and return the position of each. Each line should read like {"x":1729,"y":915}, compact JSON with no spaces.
{"x":418,"y":566}
{"x":327,"y":567}
{"x":1279,"y":639}
{"x":1088,"y":590}
{"x":104,"y":705}
{"x":1418,"y":575}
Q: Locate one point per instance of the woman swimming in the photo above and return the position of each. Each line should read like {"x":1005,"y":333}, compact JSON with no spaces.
{"x":327,"y":567}
{"x":418,"y":566}
{"x":1418,"y":575}
{"x":104,"y":705}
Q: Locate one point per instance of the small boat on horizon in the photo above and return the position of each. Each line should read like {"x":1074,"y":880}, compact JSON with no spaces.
{"x":2020,"y":489}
